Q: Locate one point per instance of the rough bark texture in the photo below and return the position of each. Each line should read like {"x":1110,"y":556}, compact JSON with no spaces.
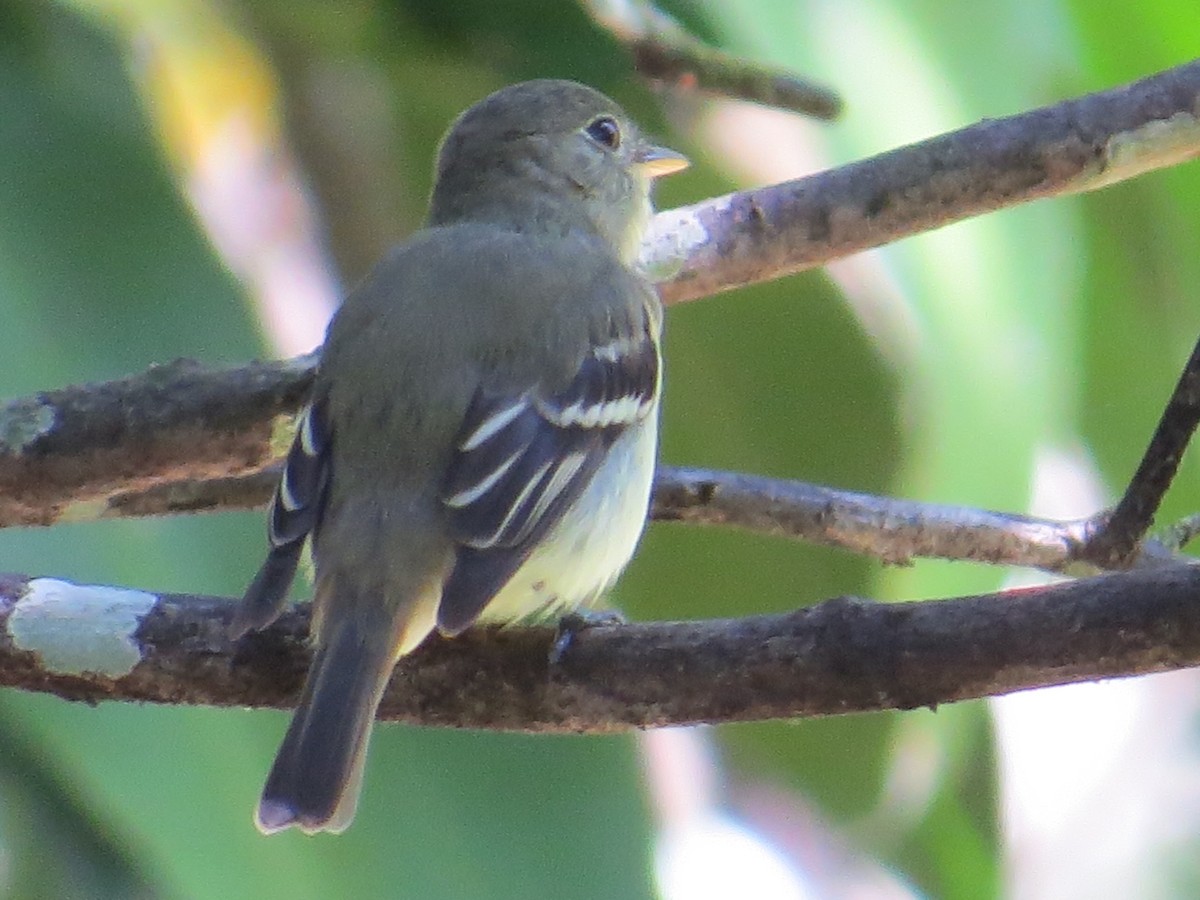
{"x":843,"y":655}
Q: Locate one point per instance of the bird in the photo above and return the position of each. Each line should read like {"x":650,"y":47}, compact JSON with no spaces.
{"x":481,"y":437}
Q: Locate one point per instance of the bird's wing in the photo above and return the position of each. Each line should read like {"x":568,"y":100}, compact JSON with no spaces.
{"x":522,"y":459}
{"x":296,"y":506}
{"x":295,"y":511}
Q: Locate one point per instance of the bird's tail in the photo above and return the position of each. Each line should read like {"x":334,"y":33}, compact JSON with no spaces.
{"x":315,"y":780}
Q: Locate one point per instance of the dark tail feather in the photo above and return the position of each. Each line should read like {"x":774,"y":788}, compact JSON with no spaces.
{"x":317,"y":774}
{"x":267,"y":595}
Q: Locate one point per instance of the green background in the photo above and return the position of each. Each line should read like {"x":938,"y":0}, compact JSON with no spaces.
{"x":1058,"y":324}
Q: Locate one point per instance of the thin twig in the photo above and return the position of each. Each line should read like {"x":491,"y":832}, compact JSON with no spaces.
{"x":664,"y":52}
{"x":1177,"y":536}
{"x":892,"y":530}
{"x":1116,"y":543}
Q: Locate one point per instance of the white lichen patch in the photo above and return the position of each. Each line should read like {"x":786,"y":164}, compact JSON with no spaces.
{"x":1155,"y":145}
{"x":78,"y":628}
{"x":24,"y":421}
{"x":672,"y":237}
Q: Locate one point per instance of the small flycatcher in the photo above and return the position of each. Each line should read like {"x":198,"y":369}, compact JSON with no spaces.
{"x":482,"y":432}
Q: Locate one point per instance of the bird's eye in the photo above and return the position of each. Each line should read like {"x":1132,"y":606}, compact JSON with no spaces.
{"x":606,"y":132}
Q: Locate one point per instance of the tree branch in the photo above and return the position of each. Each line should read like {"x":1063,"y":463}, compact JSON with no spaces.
{"x":70,"y":454}
{"x":1116,"y":542}
{"x":843,"y":655}
{"x":663,"y":51}
{"x":892,"y":530}
{"x":181,"y":438}
{"x":1077,"y":145}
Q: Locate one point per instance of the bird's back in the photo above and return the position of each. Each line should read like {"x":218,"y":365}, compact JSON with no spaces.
{"x":414,"y":353}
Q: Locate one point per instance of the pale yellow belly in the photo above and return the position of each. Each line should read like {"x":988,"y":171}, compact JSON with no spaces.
{"x":586,"y":552}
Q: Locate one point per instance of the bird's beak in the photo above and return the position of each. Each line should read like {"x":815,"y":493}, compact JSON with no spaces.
{"x":654,"y":162}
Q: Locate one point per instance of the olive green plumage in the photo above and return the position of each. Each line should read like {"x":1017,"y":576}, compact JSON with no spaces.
{"x":482,"y":431}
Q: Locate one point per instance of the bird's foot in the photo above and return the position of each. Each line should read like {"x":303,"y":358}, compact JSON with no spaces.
{"x":580,"y":620}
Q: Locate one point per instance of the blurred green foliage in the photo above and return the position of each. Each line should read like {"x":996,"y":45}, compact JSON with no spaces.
{"x":1059,"y":324}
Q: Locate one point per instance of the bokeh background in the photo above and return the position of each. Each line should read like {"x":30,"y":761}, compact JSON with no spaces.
{"x":181,"y":178}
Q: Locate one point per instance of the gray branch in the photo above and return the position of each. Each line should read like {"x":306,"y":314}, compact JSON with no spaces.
{"x":185,"y":439}
{"x":86,"y":452}
{"x":843,"y":655}
{"x":1077,"y":145}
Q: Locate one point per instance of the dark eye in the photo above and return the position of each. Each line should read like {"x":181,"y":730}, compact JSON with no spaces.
{"x":605,"y":131}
